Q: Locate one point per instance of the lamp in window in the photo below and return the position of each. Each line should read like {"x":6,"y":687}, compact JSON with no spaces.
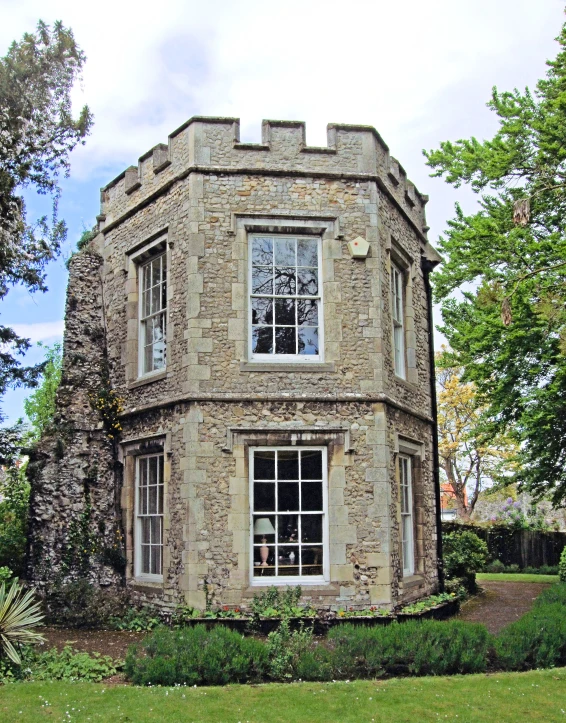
{"x":264,"y":527}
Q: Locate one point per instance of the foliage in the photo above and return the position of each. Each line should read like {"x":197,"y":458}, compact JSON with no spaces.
{"x":82,"y":605}
{"x":137,"y":620}
{"x":70,"y":665}
{"x":464,"y":555}
{"x":423,"y":647}
{"x":109,"y":406}
{"x":512,"y":514}
{"x":428,"y":603}
{"x":14,"y":504}
{"x":37,"y":134}
{"x":193,"y":656}
{"x":562,"y":566}
{"x":286,"y":647}
{"x":280,"y":603}
{"x":509,"y":332}
{"x":370,"y":612}
{"x":538,"y":639}
{"x":19,"y":613}
{"x":5,"y":574}
{"x":40,"y":405}
{"x":469,"y":460}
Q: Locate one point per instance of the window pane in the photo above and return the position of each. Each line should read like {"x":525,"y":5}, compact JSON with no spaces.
{"x":156,"y":270}
{"x":308,"y":340}
{"x":307,"y":280}
{"x":264,"y":529}
{"x":262,"y":251}
{"x":262,"y":340}
{"x":152,"y":464}
{"x":285,"y":282}
{"x":285,"y":312}
{"x":145,"y":531}
{"x":156,"y":533}
{"x":264,"y":465}
{"x":267,"y":570}
{"x":156,"y":298}
{"x":307,"y":313}
{"x":288,"y":465}
{"x":262,"y":280}
{"x":288,"y":559}
{"x":262,"y":311}
{"x":152,"y":500}
{"x":145,"y":566}
{"x":288,"y":496}
{"x":287,"y":528}
{"x":146,"y":305}
{"x":307,"y":252}
{"x":311,"y":496}
{"x":285,"y":340}
{"x":285,"y":252}
{"x":311,"y":528}
{"x":311,"y":464}
{"x":156,"y":553}
{"x":312,"y":560}
{"x":264,"y":497}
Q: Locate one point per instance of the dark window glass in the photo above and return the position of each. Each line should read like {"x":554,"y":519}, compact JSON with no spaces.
{"x":311,"y":528}
{"x":285,"y":312}
{"x":285,"y":281}
{"x":262,"y":339}
{"x":311,"y":499}
{"x":288,"y":465}
{"x":264,"y":465}
{"x":311,"y":464}
{"x":288,"y":496}
{"x":262,"y":311}
{"x":264,"y":497}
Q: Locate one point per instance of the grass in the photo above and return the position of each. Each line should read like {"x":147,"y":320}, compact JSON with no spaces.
{"x":515,"y":577}
{"x":538,"y":695}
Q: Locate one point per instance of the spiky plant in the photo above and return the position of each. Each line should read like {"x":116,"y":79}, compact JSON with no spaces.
{"x":19,"y":612}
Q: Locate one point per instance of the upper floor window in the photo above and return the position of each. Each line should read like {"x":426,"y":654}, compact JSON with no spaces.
{"x":285,"y":298}
{"x":153,"y":314}
{"x":398,"y":316}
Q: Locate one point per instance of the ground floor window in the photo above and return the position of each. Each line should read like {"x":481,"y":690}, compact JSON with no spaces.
{"x":407,"y":537}
{"x":149,"y":516}
{"x":288,"y":497}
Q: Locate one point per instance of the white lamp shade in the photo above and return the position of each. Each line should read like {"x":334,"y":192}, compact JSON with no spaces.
{"x":263,"y":526}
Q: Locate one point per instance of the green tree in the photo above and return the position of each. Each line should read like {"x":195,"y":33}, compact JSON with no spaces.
{"x":40,"y":405}
{"x":37,"y":134}
{"x":508,"y":326}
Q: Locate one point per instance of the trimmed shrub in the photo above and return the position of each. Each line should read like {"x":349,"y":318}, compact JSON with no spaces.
{"x":562,"y":566}
{"x":537,"y":640}
{"x":554,"y":594}
{"x":495,"y":566}
{"x":195,"y":656}
{"x":426,"y":647}
{"x":464,"y":555}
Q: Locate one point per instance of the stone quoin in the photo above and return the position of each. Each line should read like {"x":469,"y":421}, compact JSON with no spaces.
{"x":237,"y":377}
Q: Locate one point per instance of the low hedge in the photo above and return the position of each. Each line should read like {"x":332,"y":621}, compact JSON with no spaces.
{"x":195,"y":656}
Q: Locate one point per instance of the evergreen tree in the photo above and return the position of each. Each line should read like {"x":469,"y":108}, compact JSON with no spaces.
{"x":509,"y":332}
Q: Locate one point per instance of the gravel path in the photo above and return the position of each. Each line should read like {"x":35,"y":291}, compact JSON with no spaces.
{"x":501,"y":603}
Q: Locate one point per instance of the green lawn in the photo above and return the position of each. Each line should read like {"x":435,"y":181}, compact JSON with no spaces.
{"x":533,"y":696}
{"x":515,"y":577}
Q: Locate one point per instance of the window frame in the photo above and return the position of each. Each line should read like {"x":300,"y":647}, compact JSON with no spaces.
{"x":161,"y":254}
{"x":406,"y":481}
{"x":138,"y":574}
{"x":286,"y":358}
{"x":398,"y":296}
{"x":295,"y":579}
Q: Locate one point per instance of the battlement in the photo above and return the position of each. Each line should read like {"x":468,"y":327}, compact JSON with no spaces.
{"x":212,"y":145}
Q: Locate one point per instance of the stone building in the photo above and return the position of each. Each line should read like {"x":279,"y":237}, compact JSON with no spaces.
{"x":246,"y":396}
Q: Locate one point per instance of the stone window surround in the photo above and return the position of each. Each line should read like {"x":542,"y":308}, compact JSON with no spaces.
{"x":135,"y":257}
{"x":339,"y":455}
{"x":129,"y":450}
{"x":415,"y":450}
{"x":397,"y":256}
{"x":325,"y":227}
{"x":305,"y":580}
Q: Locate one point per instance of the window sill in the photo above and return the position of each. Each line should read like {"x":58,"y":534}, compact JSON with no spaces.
{"x":412,"y":386}
{"x":412,"y":580}
{"x":147,"y":379}
{"x":287,"y":367}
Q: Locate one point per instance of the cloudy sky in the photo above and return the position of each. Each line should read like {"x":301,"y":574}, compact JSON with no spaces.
{"x":419,"y":72}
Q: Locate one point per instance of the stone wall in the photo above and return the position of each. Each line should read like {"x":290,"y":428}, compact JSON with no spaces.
{"x":75,"y":524}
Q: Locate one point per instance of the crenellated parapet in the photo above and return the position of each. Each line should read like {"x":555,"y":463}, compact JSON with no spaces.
{"x":212,"y":145}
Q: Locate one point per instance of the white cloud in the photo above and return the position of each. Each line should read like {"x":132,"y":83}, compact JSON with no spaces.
{"x":417,"y":71}
{"x":41,"y":331}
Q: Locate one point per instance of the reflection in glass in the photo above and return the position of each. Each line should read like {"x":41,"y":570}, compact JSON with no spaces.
{"x":285,"y":340}
{"x":262,"y":311}
{"x":285,"y":252}
{"x":307,"y":252}
{"x":285,"y":312}
{"x":307,"y":312}
{"x":285,"y":281}
{"x":262,"y":251}
{"x":307,"y":282}
{"x":262,"y":280}
{"x":308,"y":340}
{"x":262,"y":339}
